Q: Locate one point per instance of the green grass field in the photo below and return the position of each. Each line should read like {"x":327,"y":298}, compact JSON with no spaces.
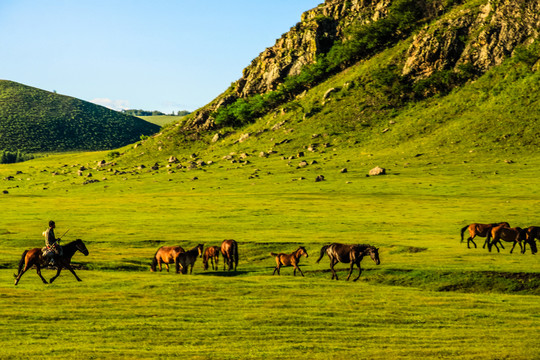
{"x":430,"y":297}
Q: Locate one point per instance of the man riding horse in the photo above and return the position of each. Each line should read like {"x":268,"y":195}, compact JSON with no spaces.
{"x":52,"y":247}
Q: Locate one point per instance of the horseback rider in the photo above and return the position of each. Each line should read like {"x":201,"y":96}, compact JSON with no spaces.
{"x":52,"y":247}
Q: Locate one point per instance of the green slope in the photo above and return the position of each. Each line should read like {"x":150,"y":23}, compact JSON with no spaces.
{"x":35,"y":120}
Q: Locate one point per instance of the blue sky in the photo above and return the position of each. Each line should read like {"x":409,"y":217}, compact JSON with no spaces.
{"x":155,"y":55}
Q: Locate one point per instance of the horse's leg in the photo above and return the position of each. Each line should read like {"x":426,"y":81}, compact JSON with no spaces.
{"x":23,"y":270}
{"x":70,"y":268}
{"x":359,"y":271}
{"x":58,"y":270}
{"x":350,"y":270}
{"x":494,"y":243}
{"x":38,"y":270}
{"x":332,"y":263}
{"x":470,"y":240}
{"x":297,"y":267}
{"x":19,"y":276}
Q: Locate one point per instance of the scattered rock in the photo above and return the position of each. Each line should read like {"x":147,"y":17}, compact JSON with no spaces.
{"x":172,"y":160}
{"x":244,"y":137}
{"x":215,"y":138}
{"x":5,"y":192}
{"x":327,"y":93}
{"x":302,"y":164}
{"x":377,"y":171}
{"x":343,"y":171}
{"x":319,"y":178}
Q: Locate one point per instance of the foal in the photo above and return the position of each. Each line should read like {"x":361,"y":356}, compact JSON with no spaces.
{"x":289,"y":260}
{"x":211,"y":253}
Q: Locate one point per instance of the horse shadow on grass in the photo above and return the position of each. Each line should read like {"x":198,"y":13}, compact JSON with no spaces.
{"x":224,"y":273}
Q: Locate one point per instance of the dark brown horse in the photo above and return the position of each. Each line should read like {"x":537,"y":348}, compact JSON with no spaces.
{"x":289,"y":260}
{"x":35,"y":257}
{"x":501,"y":232}
{"x":351,"y":254}
{"x":481,"y":230}
{"x":166,"y":255}
{"x":188,"y":258}
{"x":532,"y":233}
{"x":211,"y":253}
{"x":229,"y":249}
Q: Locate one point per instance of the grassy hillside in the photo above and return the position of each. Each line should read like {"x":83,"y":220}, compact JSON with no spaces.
{"x":33,"y":120}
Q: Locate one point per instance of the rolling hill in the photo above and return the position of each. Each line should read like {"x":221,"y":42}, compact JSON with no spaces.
{"x":400,"y":77}
{"x":34,"y":120}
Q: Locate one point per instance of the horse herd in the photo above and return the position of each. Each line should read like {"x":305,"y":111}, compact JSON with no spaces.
{"x":184,"y":260}
{"x":497,"y":232}
{"x":352,"y":254}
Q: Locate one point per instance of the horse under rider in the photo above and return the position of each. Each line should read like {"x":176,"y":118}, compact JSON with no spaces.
{"x":53,"y":249}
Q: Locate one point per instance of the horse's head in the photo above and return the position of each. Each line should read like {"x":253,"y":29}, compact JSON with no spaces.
{"x":534,"y":249}
{"x":81,"y":247}
{"x":374,"y":254}
{"x":302,"y":251}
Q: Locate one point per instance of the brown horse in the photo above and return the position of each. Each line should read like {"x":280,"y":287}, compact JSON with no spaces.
{"x":501,"y":232}
{"x":352,"y":254}
{"x":188,"y":258}
{"x":289,"y":260}
{"x":35,"y":257}
{"x":481,"y":230}
{"x":229,"y":249}
{"x":531,"y":233}
{"x":166,"y":255}
{"x":211,"y":253}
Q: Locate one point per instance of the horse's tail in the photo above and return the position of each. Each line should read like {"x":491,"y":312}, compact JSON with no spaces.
{"x":21,"y":263}
{"x":235,"y":254}
{"x":323,"y":251}
{"x":463,"y":231}
{"x":273,"y":254}
{"x":153,"y":267}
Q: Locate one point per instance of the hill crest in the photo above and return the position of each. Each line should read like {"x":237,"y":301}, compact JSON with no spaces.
{"x":35,"y":120}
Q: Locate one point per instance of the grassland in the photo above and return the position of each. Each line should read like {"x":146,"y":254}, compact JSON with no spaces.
{"x":452,"y":159}
{"x":431,"y":297}
{"x":161,"y":120}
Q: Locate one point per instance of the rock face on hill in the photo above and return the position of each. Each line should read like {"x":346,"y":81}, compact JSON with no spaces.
{"x":475,"y":33}
{"x":34,"y":120}
{"x":482,"y":36}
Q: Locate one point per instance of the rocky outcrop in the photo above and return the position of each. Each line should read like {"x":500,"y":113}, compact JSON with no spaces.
{"x":483,"y":36}
{"x":456,"y":32}
{"x":314,"y":35}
